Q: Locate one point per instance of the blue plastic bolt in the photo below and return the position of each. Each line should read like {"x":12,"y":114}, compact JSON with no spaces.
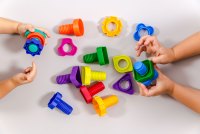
{"x":149,"y":82}
{"x":56,"y":101}
{"x":140,"y":68}
{"x":155,"y":75}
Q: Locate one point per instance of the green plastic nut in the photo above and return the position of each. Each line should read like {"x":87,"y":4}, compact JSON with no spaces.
{"x":148,"y":75}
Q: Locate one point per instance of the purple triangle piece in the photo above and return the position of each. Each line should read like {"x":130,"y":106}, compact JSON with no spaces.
{"x":127,"y":77}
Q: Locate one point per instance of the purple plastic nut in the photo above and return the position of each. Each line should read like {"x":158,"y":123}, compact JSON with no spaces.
{"x":74,"y":77}
{"x":127,"y":77}
{"x":67,"y":41}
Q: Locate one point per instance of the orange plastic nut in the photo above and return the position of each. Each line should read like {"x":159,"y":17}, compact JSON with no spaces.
{"x":76,"y":28}
{"x":38,"y":36}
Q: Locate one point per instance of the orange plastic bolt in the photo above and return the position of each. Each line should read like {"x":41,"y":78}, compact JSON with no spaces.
{"x":100,"y":105}
{"x":76,"y":28}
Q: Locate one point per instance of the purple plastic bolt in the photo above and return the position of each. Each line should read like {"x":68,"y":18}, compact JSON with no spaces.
{"x":67,"y":41}
{"x":127,"y":77}
{"x":74,"y":77}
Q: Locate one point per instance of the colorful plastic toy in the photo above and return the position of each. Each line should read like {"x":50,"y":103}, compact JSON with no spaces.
{"x":111,"y":20}
{"x":74,"y":77}
{"x":87,"y":75}
{"x":127,"y":77}
{"x":67,"y":41}
{"x":35,"y":42}
{"x":127,"y":59}
{"x":100,"y":56}
{"x":56,"y":101}
{"x":143,"y":27}
{"x":88,"y":93}
{"x":144,"y":72}
{"x":76,"y":28}
{"x":100,"y":105}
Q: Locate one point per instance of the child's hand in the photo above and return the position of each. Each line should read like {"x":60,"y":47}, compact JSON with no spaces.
{"x":163,"y":86}
{"x":158,"y":53}
{"x":26,"y":77}
{"x":22,"y":28}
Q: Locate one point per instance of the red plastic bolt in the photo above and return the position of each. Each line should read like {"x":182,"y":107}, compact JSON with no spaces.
{"x":88,"y":93}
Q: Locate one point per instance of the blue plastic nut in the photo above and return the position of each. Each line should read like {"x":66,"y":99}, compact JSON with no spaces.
{"x":140,"y":27}
{"x":140,"y":68}
{"x":56,"y":101}
{"x":149,"y":82}
{"x":33,"y":47}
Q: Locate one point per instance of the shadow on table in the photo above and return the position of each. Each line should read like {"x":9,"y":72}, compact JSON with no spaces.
{"x":14,"y":43}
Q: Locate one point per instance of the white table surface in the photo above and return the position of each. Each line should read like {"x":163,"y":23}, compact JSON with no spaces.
{"x":25,"y":111}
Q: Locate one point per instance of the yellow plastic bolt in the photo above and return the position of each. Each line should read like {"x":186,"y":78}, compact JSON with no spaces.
{"x":127,"y":59}
{"x":111,"y":20}
{"x":100,"y":105}
{"x":87,"y":75}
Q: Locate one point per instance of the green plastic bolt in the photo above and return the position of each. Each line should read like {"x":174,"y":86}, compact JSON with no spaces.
{"x":101,"y":56}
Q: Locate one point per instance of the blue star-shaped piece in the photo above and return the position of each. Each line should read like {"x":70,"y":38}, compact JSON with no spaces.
{"x":140,"y":27}
{"x":33,"y":47}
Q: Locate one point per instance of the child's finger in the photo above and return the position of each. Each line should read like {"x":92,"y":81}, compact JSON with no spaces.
{"x":142,"y":92}
{"x":144,"y":88}
{"x":33,"y":71}
{"x":30,"y":28}
{"x":141,"y":41}
{"x":27,"y":70}
{"x":150,"y":39}
{"x":141,"y":49}
{"x":153,"y":91}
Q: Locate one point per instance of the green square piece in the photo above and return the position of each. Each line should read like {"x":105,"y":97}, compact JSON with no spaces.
{"x":148,"y":75}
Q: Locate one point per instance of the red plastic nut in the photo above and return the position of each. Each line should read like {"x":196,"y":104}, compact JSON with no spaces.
{"x":88,"y":93}
{"x":38,"y":36}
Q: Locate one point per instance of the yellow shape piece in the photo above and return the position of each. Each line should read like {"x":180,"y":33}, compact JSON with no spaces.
{"x":127,"y":59}
{"x":115,"y":21}
{"x":100,"y":104}
{"x":87,"y":75}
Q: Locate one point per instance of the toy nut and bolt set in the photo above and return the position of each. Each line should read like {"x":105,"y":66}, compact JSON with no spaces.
{"x":82,"y":77}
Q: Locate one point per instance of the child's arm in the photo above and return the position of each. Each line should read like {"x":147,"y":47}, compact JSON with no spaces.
{"x":6,"y":86}
{"x":188,"y":47}
{"x":27,"y":76}
{"x":10,"y":27}
{"x":160,"y":54}
{"x":187,"y":96}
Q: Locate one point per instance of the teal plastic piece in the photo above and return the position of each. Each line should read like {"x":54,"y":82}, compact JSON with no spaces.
{"x":37,"y":31}
{"x":33,"y":48}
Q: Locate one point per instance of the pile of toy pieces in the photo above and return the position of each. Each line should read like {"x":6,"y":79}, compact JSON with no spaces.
{"x":81,"y":77}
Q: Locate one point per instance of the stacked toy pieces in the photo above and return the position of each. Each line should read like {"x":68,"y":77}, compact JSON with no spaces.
{"x":35,"y":42}
{"x":82,"y":77}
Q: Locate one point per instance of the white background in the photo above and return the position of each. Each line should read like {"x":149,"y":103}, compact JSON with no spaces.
{"x":25,"y":111}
